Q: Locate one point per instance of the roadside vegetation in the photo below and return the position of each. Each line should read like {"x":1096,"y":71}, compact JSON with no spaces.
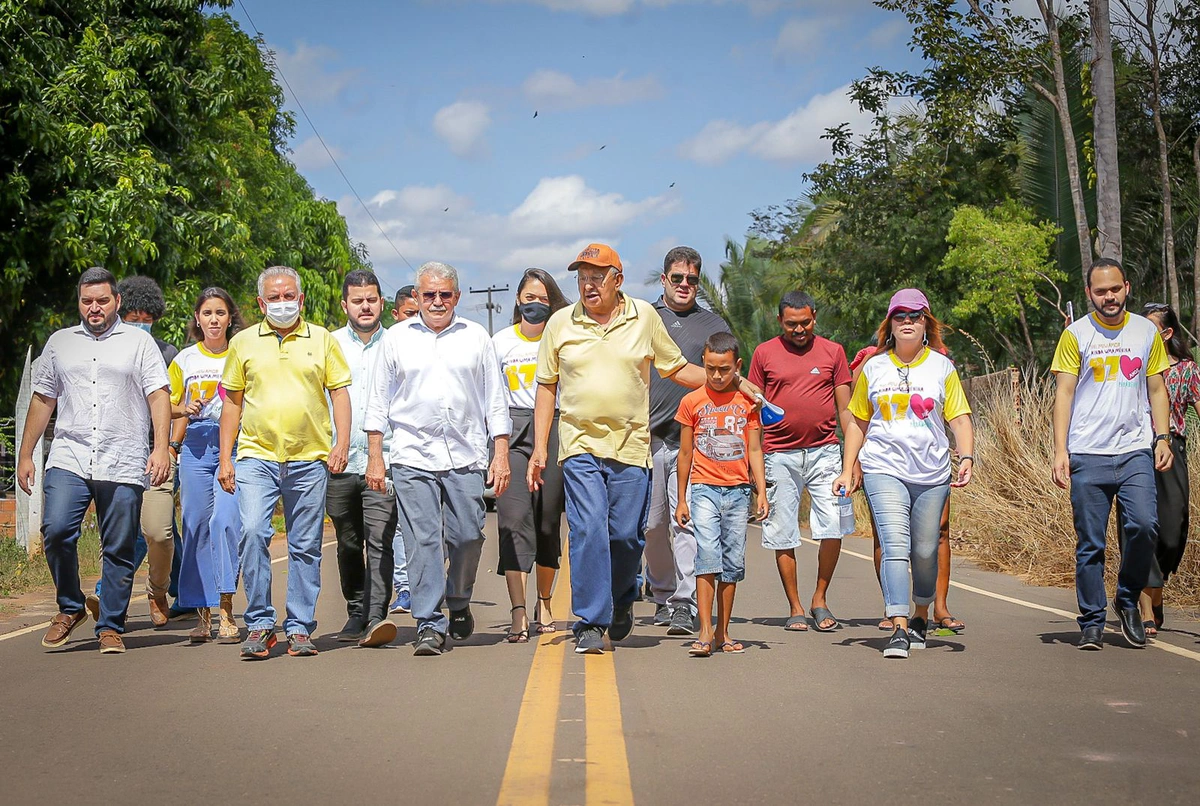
{"x":21,"y":573}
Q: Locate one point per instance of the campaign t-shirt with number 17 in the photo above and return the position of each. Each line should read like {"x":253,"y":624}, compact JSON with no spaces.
{"x":195,"y":374}
{"x":1111,"y":411}
{"x":907,"y":407}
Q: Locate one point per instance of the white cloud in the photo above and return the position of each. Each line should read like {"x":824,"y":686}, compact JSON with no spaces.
{"x":461,"y":125}
{"x":795,"y":138}
{"x":307,"y":71}
{"x":310,"y":156}
{"x":558,"y":217}
{"x":550,"y":89}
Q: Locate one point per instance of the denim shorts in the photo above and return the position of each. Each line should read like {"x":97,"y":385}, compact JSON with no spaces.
{"x":719,"y":522}
{"x":789,"y":474}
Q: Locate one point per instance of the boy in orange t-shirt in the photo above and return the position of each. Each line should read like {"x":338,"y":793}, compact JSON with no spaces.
{"x":720,"y":451}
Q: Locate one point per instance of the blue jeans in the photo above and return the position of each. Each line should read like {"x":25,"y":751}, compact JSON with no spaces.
{"x":607,"y":504}
{"x":118,"y":510}
{"x":260,"y":485}
{"x":441,"y":518}
{"x":400,"y":569}
{"x":1095,"y":480}
{"x":908,"y":518}
{"x":719,"y":517}
{"x":212,"y":525}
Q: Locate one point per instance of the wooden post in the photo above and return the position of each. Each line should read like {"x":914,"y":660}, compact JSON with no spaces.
{"x":29,"y":507}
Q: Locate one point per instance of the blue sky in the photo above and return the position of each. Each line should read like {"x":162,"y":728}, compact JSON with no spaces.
{"x":428,"y":107}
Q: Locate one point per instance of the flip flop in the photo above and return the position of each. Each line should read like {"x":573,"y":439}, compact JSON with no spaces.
{"x":820,"y":614}
{"x":886,"y":624}
{"x":1151,"y":628}
{"x":733,"y":648}
{"x":700,"y":649}
{"x":796,"y":624}
{"x":955,"y":626}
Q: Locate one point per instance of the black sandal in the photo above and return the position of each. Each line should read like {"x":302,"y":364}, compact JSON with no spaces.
{"x":544,"y":628}
{"x":521,"y":636}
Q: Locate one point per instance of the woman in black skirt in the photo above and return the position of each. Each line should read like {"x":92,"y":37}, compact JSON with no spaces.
{"x":529,"y":521}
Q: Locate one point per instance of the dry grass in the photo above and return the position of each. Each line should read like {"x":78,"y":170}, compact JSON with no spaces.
{"x":21,"y":573}
{"x":1013,"y":518}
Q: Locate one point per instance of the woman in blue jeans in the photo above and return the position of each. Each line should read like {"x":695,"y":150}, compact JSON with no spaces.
{"x":902,"y":402}
{"x":208,"y":568}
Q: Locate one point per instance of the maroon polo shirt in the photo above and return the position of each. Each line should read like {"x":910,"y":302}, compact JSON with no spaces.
{"x":801,"y":382}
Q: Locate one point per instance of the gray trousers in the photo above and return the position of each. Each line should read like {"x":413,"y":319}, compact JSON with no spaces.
{"x":364,"y":522}
{"x":441,"y":521}
{"x":670,"y":550}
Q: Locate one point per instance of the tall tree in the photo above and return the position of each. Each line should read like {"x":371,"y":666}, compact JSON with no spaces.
{"x":1104,"y":127}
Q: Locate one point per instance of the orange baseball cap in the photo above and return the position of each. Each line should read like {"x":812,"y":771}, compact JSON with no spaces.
{"x":597,"y":254}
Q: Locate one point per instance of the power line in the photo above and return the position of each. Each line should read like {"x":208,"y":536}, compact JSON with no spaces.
{"x":321,"y":139}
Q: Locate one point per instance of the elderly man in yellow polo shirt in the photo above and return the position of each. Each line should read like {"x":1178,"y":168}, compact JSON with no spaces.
{"x":275,"y":380}
{"x":595,"y":357}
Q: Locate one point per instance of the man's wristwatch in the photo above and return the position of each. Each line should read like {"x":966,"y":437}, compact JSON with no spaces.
{"x":175,"y":446}
{"x":1161,"y":437}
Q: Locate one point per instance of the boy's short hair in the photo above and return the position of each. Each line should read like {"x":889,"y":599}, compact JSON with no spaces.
{"x":141,"y":293}
{"x":723,"y":343}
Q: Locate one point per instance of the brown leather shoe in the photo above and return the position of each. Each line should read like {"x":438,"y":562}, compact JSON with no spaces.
{"x":61,"y":627}
{"x":91,"y":603}
{"x":158,"y":610}
{"x":111,"y":643}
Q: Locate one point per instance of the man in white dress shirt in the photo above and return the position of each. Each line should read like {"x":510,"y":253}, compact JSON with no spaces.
{"x":439,"y":390}
{"x":108,"y":381}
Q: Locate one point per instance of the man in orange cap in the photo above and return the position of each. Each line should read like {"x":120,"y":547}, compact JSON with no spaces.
{"x":595,"y":358}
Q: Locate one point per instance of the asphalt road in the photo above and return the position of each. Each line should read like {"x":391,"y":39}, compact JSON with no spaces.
{"x":1007,"y":712}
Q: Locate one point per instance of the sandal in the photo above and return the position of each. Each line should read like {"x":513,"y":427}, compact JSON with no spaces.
{"x":796,"y":623}
{"x":732,"y":648}
{"x":1151,"y":628}
{"x":519,"y":637}
{"x":886,"y":625}
{"x":950,"y":623}
{"x":1157,"y":610}
{"x":537,"y":616}
{"x":700,"y":649}
{"x":820,"y":615}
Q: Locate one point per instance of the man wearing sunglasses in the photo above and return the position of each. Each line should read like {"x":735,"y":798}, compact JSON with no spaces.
{"x":595,"y":358}
{"x":670,"y":548}
{"x":438,"y":389}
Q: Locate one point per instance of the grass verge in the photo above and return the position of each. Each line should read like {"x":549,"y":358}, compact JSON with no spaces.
{"x":21,"y":573}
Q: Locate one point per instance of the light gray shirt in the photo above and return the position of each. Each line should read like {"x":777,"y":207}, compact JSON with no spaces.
{"x":363,"y":360}
{"x":440,"y":393}
{"x":100,"y":385}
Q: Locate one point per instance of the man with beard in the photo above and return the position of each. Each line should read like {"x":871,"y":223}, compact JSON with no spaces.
{"x":1108,"y":442}
{"x":109,"y":383}
{"x":362,"y":518}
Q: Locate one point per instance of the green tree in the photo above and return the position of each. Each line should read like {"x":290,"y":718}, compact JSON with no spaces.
{"x":747,"y":292}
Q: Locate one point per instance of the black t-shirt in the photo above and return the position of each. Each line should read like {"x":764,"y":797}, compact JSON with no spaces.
{"x":689,"y":330}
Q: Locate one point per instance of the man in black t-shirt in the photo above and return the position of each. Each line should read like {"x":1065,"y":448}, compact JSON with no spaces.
{"x":670,"y":549}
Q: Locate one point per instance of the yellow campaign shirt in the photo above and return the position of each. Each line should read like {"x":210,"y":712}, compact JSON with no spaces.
{"x":285,"y":416}
{"x":907,"y":407}
{"x":603,"y":377}
{"x":1110,"y":414}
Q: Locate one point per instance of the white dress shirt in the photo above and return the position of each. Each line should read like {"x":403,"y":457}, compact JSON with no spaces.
{"x":363,"y":360}
{"x":440,"y":393}
{"x":100,"y":384}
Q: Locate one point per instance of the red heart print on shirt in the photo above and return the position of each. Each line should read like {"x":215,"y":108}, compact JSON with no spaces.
{"x":921,"y":406}
{"x":1130,"y":366}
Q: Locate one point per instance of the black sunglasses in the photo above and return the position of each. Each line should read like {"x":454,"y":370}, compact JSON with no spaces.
{"x":430,"y":296}
{"x":901,"y":317}
{"x":679,"y":279}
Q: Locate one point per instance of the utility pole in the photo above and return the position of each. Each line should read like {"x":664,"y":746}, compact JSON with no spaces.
{"x":491,"y":306}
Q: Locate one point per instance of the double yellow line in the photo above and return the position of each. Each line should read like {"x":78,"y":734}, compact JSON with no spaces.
{"x":531,"y":758}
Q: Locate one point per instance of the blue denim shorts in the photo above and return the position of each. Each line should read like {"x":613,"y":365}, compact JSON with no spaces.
{"x":719,"y":516}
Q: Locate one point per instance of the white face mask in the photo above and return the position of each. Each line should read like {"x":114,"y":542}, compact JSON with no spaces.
{"x":283,"y":314}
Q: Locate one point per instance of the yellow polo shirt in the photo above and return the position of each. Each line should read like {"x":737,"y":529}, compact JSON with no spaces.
{"x":603,"y":377}
{"x":285,"y":415}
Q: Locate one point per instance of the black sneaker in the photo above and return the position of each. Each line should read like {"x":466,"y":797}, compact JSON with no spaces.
{"x":301,"y":646}
{"x":462,"y":624}
{"x":917,"y":628}
{"x":258,"y":644}
{"x":354,"y":629}
{"x":682,"y":621}
{"x":897,"y":645}
{"x":662,"y":615}
{"x":589,"y":641}
{"x":1092,"y":639}
{"x":1131,"y":625}
{"x":622,"y":623}
{"x":429,"y":642}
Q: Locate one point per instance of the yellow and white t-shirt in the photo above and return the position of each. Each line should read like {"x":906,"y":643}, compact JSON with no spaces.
{"x":907,"y":407}
{"x":1111,"y":411}
{"x":196,"y":375}
{"x":518,"y":357}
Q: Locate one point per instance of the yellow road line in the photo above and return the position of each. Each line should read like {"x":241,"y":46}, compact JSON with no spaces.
{"x":607,"y":761}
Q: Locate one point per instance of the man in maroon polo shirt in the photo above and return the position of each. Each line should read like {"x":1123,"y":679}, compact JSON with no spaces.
{"x":807,"y":376}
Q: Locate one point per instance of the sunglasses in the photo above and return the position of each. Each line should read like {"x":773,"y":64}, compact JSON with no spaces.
{"x":900,"y":317}
{"x":903,"y":373}
{"x":443,"y":296}
{"x":680,"y":279}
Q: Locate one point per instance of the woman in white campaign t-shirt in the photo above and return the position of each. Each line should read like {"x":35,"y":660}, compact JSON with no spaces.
{"x":528,"y":521}
{"x":212,"y":527}
{"x":904,"y":399}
